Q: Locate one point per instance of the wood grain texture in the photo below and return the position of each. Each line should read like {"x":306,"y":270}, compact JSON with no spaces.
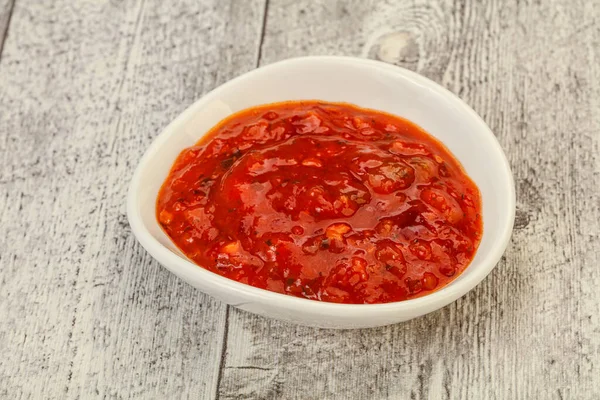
{"x":84,"y":88}
{"x":86,"y":313}
{"x":531,"y":330}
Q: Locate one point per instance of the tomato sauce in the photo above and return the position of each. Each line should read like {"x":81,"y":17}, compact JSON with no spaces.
{"x":325,"y":201}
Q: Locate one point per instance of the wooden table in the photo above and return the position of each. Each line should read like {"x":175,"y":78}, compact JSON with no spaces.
{"x":85,"y":313}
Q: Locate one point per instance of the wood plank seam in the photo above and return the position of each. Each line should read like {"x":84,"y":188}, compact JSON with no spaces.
{"x":228,"y":307}
{"x":262,"y":33}
{"x":223,"y":353}
{"x":4,"y":33}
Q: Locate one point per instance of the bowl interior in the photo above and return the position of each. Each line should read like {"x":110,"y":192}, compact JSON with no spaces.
{"x":366,"y":84}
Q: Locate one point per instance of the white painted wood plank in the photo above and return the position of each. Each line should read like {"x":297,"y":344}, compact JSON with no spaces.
{"x":84,"y":88}
{"x":531,"y":330}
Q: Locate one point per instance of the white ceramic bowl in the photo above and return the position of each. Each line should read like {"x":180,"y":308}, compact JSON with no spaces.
{"x":366,"y":83}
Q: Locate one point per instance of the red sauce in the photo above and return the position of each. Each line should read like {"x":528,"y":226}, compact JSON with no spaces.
{"x":325,"y":201}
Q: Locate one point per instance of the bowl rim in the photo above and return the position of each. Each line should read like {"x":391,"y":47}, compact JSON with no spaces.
{"x":437,"y":299}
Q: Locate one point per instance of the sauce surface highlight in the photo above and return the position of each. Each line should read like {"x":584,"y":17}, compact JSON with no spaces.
{"x":325,"y":201}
